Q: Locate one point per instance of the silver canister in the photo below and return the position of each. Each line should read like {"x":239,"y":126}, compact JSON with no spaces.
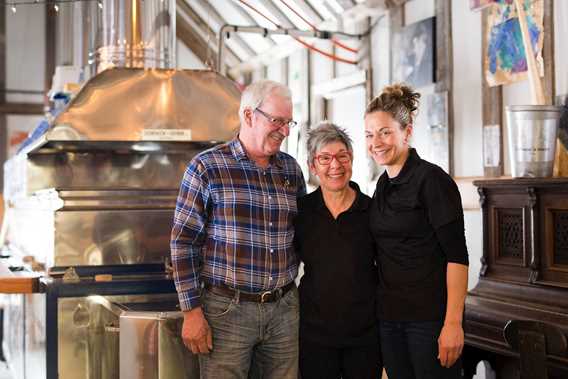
{"x":532,"y":132}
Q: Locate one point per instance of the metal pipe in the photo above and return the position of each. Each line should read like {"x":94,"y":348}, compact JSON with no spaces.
{"x":64,"y":35}
{"x":138,"y":33}
{"x":227,"y":29}
{"x":86,"y":29}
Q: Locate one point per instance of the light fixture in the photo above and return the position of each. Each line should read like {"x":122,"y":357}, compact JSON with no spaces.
{"x":56,"y":7}
{"x":100,"y":5}
{"x":13,"y":8}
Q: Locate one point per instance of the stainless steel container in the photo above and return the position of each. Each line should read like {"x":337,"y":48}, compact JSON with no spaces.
{"x":532,"y":132}
{"x":151,"y":346}
{"x":124,"y":337}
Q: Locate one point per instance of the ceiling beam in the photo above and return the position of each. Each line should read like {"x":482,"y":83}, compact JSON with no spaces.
{"x":331,"y":9}
{"x":308,"y":9}
{"x":185,"y":34}
{"x":217,"y":18}
{"x":277,"y":52}
{"x":241,"y":11}
{"x":346,"y":4}
{"x":281,"y":17}
{"x":196,"y":43}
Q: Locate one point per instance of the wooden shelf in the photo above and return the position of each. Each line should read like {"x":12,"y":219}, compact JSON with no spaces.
{"x":18,"y":282}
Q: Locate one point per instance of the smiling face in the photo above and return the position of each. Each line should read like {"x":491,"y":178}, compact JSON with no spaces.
{"x":335,"y":176}
{"x":262,"y":137}
{"x":387,"y":141}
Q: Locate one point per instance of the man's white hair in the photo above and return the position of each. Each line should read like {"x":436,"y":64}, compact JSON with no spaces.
{"x":253,"y":96}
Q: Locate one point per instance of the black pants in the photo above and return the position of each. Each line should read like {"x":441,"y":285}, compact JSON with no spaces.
{"x":410,"y":351}
{"x":324,"y":362}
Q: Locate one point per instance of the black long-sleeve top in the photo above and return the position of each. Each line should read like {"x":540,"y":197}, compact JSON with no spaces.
{"x":417,"y":223}
{"x":337,"y":291}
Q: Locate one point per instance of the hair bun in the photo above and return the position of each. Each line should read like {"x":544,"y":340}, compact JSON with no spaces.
{"x":399,"y":100}
{"x":400,"y":92}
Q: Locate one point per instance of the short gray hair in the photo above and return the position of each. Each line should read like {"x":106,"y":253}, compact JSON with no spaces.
{"x":253,"y":96}
{"x":326,"y":132}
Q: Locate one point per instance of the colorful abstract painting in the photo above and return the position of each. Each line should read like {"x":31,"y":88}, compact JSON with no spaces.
{"x":504,"y":60}
{"x":476,"y":5}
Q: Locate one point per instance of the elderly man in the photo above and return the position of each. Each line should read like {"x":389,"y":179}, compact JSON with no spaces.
{"x":231,"y":244}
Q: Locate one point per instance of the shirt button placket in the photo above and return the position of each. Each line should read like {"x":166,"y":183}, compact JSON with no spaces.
{"x":269,"y":215}
{"x":269,"y":231}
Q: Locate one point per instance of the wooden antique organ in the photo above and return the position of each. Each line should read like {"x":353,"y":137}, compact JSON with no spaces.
{"x":516,"y":318}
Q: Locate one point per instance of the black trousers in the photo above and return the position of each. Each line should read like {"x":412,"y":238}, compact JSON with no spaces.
{"x":354,"y":362}
{"x":410,"y":351}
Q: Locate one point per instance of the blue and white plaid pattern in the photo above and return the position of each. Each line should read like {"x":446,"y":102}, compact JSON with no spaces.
{"x":233,"y":223}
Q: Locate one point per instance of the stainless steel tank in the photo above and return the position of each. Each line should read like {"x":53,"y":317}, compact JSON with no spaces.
{"x":89,"y":206}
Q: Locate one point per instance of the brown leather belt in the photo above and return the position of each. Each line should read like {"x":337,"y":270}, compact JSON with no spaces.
{"x":261,"y":297}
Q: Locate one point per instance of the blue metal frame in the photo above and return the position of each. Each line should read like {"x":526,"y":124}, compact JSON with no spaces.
{"x":55,"y":289}
{"x":131,"y":269}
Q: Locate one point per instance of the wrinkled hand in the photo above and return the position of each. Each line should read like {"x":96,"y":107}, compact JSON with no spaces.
{"x":196,"y":333}
{"x":450,"y":344}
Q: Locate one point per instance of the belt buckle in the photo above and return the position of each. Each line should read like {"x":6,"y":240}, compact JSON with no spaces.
{"x":265,"y":293}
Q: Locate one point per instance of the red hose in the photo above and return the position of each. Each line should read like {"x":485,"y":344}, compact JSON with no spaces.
{"x":311,"y":47}
{"x":335,"y":41}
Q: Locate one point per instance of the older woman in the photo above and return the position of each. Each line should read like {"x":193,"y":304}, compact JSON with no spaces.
{"x":338,"y":334}
{"x":417,"y":223}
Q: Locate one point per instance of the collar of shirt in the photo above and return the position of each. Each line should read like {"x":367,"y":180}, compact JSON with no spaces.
{"x":407,"y":170}
{"x":360,"y":203}
{"x":239,"y":153}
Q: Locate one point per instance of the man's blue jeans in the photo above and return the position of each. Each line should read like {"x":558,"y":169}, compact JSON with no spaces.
{"x":244,"y":332}
{"x":410,"y":351}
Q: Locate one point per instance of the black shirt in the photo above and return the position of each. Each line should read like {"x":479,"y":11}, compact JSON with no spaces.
{"x":417,"y":223}
{"x":337,"y":291}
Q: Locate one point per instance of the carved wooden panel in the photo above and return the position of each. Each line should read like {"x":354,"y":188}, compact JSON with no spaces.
{"x":510,"y":229}
{"x":526,"y":217}
{"x":560,"y":255}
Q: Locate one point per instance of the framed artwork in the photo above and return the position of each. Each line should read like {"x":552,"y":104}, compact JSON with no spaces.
{"x":437,"y":115}
{"x":491,"y":145}
{"x":504,"y":58}
{"x":413,"y":53}
{"x":439,"y":146}
{"x":436,"y":104}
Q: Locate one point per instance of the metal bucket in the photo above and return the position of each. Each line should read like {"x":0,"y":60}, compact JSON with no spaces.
{"x":532,"y":133}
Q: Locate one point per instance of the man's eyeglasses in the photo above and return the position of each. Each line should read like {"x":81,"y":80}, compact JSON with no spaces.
{"x":342,"y":157}
{"x":276,"y":121}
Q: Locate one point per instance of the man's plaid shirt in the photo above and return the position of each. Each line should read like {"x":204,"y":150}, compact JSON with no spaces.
{"x":233,"y":223}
